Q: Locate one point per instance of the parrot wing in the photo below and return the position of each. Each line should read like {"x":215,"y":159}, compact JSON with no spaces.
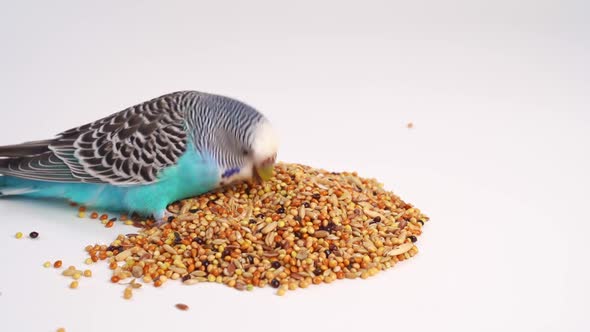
{"x":127,"y":148}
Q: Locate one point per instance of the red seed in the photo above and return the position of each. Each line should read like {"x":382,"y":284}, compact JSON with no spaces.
{"x":57,"y":264}
{"x":109,"y":224}
{"x":182,"y":306}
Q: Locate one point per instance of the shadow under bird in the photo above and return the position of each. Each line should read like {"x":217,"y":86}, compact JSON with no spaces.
{"x":141,"y":159}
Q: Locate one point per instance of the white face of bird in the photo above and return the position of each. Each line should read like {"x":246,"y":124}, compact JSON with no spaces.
{"x":259,"y":156}
{"x":264,"y":150}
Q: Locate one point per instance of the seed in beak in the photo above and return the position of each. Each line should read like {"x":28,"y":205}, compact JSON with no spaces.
{"x":265,"y":172}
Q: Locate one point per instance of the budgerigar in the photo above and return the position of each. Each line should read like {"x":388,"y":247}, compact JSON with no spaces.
{"x":141,"y":159}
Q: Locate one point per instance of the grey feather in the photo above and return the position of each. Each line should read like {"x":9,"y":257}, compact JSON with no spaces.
{"x":134,"y":145}
{"x":120,"y":149}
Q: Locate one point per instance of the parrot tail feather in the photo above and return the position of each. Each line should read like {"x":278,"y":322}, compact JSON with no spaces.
{"x":7,"y":189}
{"x":24,"y":149}
{"x":15,"y":191}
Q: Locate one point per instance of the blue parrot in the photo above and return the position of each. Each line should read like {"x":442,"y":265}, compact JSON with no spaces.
{"x":143,"y":158}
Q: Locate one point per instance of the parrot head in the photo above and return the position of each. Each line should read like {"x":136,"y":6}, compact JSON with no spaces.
{"x":264,"y":151}
{"x":239,"y":138}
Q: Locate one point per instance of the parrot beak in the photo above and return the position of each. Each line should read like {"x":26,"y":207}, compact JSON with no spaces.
{"x":265,"y":172}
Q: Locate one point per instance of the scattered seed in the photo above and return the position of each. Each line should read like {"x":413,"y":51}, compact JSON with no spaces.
{"x":33,"y":235}
{"x":47,"y":264}
{"x":18,"y":235}
{"x":74,"y":284}
{"x":128,"y":293}
{"x":57,"y":264}
{"x":181,"y":306}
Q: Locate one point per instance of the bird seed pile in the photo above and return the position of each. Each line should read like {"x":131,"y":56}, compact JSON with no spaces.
{"x":304,"y":226}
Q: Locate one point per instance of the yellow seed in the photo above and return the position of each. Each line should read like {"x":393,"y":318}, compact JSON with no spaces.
{"x":47,"y":264}
{"x":87,"y":273}
{"x":88,"y":261}
{"x":61,"y":329}
{"x":281,"y":291}
{"x":18,"y":235}
{"x":81,"y":214}
{"x":76,"y":276}
{"x":74,"y":284}
{"x":128,"y":293}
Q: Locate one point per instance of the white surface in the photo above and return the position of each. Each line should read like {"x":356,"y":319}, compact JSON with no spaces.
{"x":499,"y":95}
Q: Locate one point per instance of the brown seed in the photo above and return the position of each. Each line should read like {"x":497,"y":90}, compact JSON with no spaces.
{"x":137,"y":271}
{"x":182,"y":306}
{"x":57,"y":264}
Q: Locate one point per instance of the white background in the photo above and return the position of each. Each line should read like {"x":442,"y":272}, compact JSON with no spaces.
{"x":498,"y":92}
